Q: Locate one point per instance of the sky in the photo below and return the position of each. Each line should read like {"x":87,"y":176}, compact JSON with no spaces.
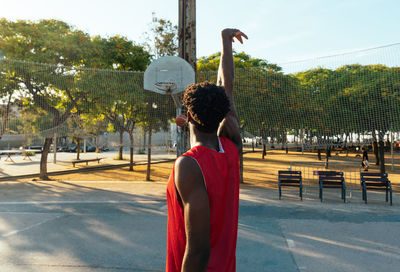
{"x":279,"y":31}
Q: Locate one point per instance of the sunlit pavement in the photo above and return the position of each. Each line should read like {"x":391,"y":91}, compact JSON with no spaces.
{"x":121,"y":226}
{"x":23,"y":166}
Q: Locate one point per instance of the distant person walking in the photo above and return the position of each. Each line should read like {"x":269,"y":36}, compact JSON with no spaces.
{"x":364,"y":161}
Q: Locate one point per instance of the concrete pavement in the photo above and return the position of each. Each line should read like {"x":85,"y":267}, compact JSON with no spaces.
{"x":22,"y":166}
{"x":121,"y":226}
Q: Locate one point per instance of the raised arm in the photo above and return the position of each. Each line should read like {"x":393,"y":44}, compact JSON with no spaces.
{"x":229,"y":127}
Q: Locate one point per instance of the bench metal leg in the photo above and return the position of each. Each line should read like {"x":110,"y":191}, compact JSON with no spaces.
{"x":280,"y":192}
{"x":365,"y":192}
{"x":387,"y":193}
{"x":9,"y":159}
{"x":320,"y":190}
{"x":301,"y":192}
{"x":344,"y":192}
{"x":362,"y":189}
{"x":391,"y":197}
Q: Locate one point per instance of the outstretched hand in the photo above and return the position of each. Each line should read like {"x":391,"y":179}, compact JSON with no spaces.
{"x":238,"y":35}
{"x":233,"y":33}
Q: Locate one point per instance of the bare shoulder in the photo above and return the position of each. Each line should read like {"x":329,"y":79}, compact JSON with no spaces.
{"x":185,"y":164}
{"x":188,"y":175}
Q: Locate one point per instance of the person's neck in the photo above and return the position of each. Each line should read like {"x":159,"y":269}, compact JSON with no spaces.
{"x":199,"y":138}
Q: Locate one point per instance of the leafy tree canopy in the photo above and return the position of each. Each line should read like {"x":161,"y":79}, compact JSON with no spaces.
{"x":242,"y":60}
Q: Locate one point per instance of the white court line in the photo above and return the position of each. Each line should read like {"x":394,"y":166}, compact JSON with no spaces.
{"x":82,"y":202}
{"x":290,"y":243}
{"x":30,"y":227}
{"x":88,"y":181}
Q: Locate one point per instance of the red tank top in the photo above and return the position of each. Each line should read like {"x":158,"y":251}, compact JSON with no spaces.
{"x":221,"y":175}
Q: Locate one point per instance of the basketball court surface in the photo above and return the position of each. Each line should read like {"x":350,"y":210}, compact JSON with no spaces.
{"x":121,"y":226}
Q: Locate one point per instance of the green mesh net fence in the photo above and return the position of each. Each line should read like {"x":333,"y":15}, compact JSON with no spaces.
{"x":348,"y":99}
{"x":45,"y":101}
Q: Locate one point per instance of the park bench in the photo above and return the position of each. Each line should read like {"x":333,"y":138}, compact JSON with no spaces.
{"x":331,"y":179}
{"x":87,"y":161}
{"x":292,"y":179}
{"x":340,"y":150}
{"x":375,"y":181}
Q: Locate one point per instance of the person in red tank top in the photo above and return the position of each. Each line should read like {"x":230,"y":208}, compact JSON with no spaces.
{"x":203,"y":189}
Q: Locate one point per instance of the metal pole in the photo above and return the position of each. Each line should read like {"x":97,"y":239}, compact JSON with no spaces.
{"x":179,"y":136}
{"x":391,"y":148}
{"x":84,"y":145}
{"x":55,"y":148}
{"x":180,"y":143}
{"x":187,"y":31}
{"x":187,"y":46}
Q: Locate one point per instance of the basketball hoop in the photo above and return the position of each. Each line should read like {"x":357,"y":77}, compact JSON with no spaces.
{"x":168,"y":75}
{"x":168,"y":87}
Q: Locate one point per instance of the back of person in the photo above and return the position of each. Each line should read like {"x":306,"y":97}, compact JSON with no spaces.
{"x":221,"y":176}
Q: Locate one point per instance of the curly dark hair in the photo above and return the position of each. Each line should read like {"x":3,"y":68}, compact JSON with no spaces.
{"x":208,"y":104}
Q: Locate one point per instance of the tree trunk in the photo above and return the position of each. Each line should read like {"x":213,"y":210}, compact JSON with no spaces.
{"x":144,"y":140}
{"x":121,"y":142}
{"x":328,"y":154}
{"x":376,"y":151}
{"x":96,"y":142}
{"x":43,"y":159}
{"x":382,"y":156}
{"x":264,"y":151}
{"x":148,"y":155}
{"x":78,"y":149}
{"x":5,"y":118}
{"x":131,"y":151}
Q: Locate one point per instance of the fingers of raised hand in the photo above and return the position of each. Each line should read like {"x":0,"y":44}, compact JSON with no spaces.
{"x":238,"y":35}
{"x":234,"y":33}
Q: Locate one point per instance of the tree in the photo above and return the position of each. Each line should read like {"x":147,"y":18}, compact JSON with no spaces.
{"x":120,"y":92}
{"x":7,"y":89}
{"x":162,"y":38}
{"x":64,"y":86}
{"x":49,"y":87}
{"x":156,"y":113}
{"x":242,"y":60}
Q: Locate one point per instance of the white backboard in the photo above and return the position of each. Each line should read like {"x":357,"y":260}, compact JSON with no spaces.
{"x":170,"y":72}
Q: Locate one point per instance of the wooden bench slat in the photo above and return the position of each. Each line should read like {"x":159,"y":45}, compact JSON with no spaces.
{"x":289,"y":172}
{"x":289,"y":177}
{"x":331,"y":178}
{"x":88,"y":160}
{"x":373,"y":175}
{"x":333,"y":186}
{"x":374,"y":179}
{"x":378,"y":188}
{"x":332,"y":182}
{"x":289,"y":185}
{"x":376,"y":184}
{"x":289,"y":181}
{"x":330,"y":173}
